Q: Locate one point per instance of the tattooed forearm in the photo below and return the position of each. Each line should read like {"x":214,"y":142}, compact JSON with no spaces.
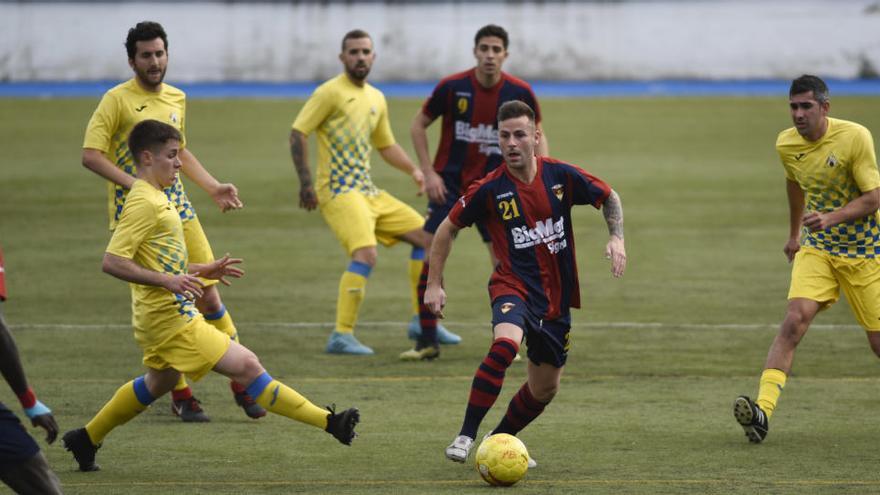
{"x":298,"y":153}
{"x":613,"y":211}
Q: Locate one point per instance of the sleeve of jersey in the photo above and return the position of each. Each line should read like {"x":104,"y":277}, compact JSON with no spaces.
{"x":470,"y":207}
{"x":864,"y":168}
{"x":102,"y":125}
{"x":435,"y":105}
{"x":137,"y":220}
{"x":317,"y":108}
{"x":382,"y":136}
{"x":586,"y":188}
{"x":789,"y":175}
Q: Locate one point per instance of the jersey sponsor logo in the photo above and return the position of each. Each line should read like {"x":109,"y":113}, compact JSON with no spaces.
{"x":544,"y":232}
{"x":832,"y":160}
{"x":484,"y":135}
{"x":140,"y":108}
{"x":506,"y":307}
{"x":462,"y":105}
{"x":558,"y":191}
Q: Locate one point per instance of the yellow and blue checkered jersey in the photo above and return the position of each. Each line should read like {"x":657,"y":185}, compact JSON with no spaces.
{"x":350,"y":120}
{"x":833,"y":171}
{"x":150,"y":233}
{"x":119,"y":110}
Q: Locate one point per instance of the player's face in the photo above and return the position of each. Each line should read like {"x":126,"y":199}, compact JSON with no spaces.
{"x":490,"y":54}
{"x":357,"y":57}
{"x":164,"y":163}
{"x":150,"y":62}
{"x":808,"y":114}
{"x":518,"y":139}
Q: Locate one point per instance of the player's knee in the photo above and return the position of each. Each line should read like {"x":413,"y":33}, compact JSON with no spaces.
{"x":250,"y":364}
{"x":368,"y":256}
{"x":545,"y":392}
{"x":794,"y":326}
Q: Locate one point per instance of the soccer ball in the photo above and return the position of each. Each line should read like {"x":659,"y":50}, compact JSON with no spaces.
{"x":502,"y":460}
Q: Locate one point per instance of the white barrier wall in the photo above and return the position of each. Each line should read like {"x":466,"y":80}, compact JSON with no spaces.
{"x":709,"y":39}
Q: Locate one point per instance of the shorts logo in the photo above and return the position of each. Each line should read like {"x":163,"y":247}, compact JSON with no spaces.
{"x":558,"y":190}
{"x":462,"y":105}
{"x":507,"y":307}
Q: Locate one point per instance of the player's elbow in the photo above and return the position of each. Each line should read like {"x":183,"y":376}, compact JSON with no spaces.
{"x":873,"y":199}
{"x":108,"y":264}
{"x":89,"y":158}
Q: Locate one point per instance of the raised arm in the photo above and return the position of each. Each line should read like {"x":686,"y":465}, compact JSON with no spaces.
{"x":860,"y":207}
{"x":615,"y":250}
{"x":397,"y":158}
{"x":97,"y":162}
{"x":224,"y":195}
{"x":125,"y":269}
{"x":434,"y":185}
{"x":435,"y":296}
{"x":299,"y":152}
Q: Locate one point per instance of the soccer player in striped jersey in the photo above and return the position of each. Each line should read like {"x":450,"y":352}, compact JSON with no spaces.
{"x":525,"y":205}
{"x":468,"y":103}
{"x":106,"y":153}
{"x":148,"y":250}
{"x":833,"y":189}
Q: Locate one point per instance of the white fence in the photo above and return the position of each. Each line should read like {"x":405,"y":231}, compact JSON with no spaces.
{"x":709,"y":39}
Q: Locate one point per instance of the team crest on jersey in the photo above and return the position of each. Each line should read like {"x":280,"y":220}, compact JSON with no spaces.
{"x":372,"y":110}
{"x":173,"y":118}
{"x":831,"y":161}
{"x":462,"y":105}
{"x":506,"y":307}
{"x":558,"y":190}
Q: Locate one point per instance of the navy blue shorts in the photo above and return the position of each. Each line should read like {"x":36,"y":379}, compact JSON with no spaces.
{"x":15,"y":443}
{"x":547,"y":340}
{"x":437,"y":213}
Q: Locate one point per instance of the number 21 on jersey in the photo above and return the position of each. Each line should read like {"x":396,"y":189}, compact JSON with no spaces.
{"x":508,"y":209}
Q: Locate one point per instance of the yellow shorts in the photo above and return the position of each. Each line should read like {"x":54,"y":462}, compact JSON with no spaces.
{"x":359,"y":220}
{"x":198,"y":248}
{"x":194,"y":350}
{"x":819,"y":276}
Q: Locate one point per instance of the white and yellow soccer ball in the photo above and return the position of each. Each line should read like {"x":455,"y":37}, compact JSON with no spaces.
{"x":502,"y":459}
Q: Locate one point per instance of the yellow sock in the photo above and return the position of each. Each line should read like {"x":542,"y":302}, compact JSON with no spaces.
{"x":416,"y":261}
{"x":223,"y":322}
{"x":281,"y":399}
{"x":129,"y":400}
{"x":772,"y":382}
{"x":352,"y":287}
{"x":181,"y":383}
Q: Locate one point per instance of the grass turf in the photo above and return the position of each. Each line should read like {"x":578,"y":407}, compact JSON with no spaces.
{"x":645,"y":400}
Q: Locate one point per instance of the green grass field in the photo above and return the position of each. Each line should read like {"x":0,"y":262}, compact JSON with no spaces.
{"x":657,"y":357}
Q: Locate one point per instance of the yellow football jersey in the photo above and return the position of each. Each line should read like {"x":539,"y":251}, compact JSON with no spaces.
{"x":119,"y":110}
{"x":150,"y":233}
{"x":349,"y":119}
{"x":833,"y":171}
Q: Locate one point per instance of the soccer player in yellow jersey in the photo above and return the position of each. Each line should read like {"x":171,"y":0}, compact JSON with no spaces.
{"x":833,"y":191}
{"x":105,"y":152}
{"x":350,"y":117}
{"x":148,"y":250}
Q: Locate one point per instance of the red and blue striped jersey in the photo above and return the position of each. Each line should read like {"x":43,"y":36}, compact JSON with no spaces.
{"x":468,"y":148}
{"x":530,"y":227}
